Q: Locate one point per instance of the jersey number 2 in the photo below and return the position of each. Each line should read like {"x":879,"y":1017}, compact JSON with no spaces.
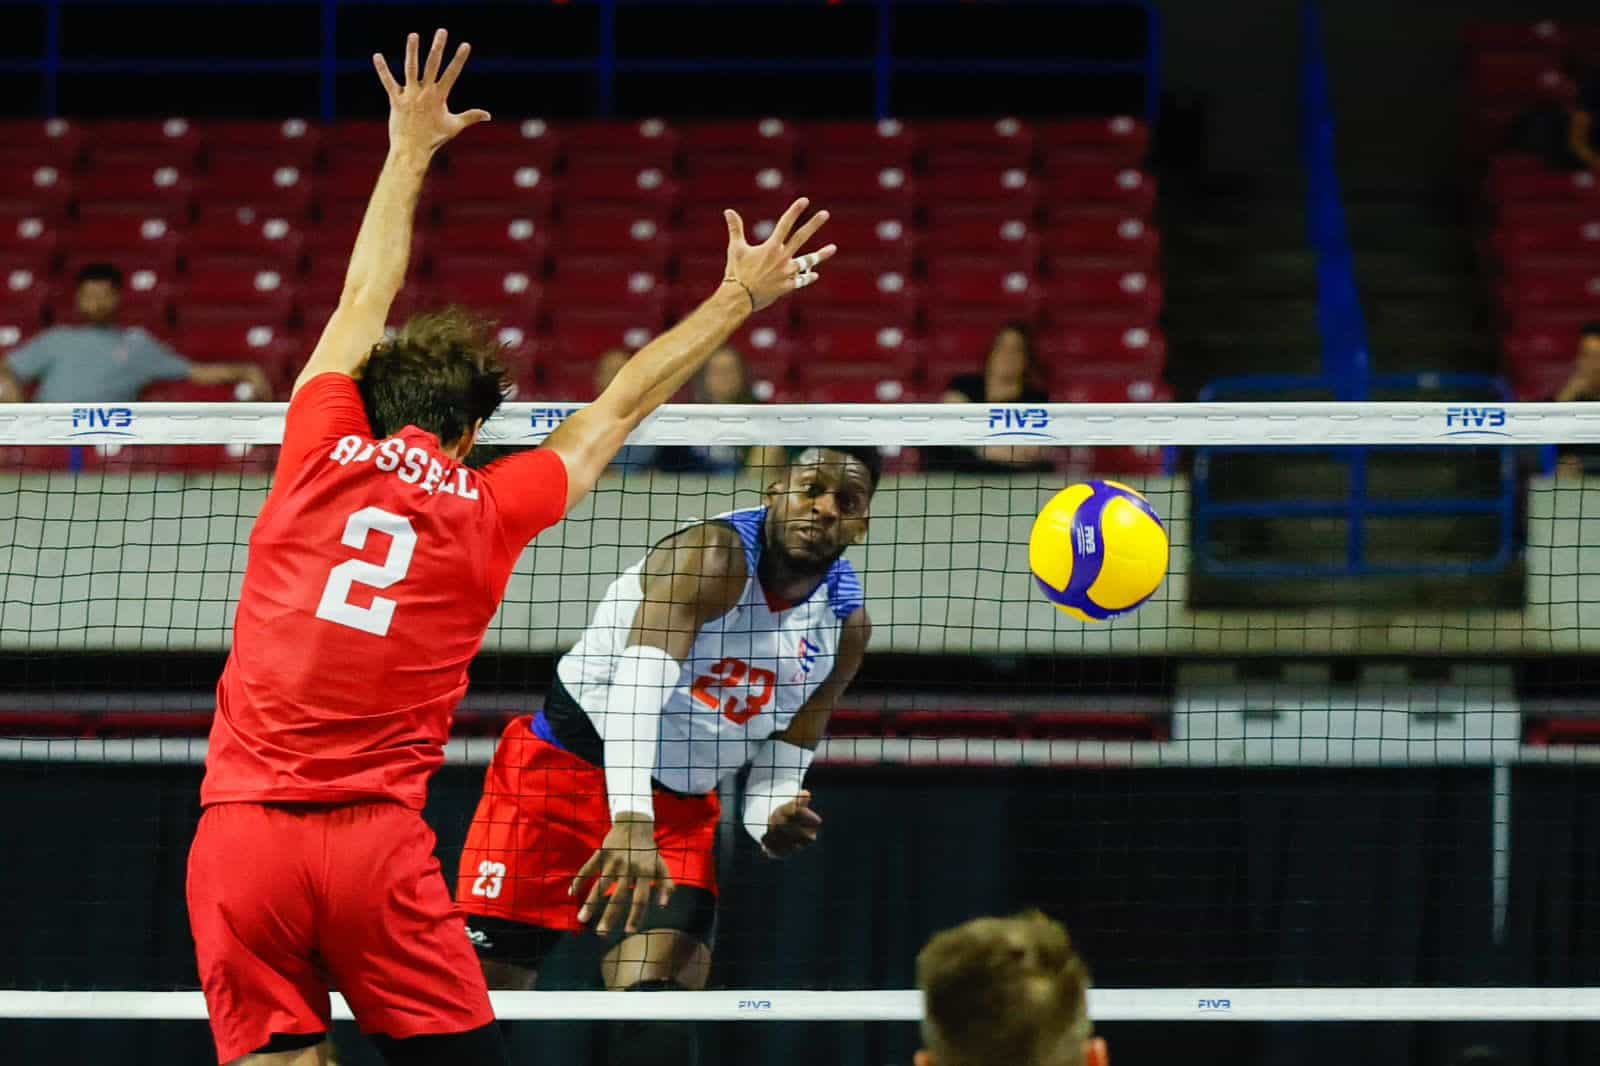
{"x":731,"y":673}
{"x":336,"y":605}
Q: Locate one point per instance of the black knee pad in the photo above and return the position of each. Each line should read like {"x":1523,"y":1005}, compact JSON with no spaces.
{"x":651,"y":1043}
{"x":484,"y":1046}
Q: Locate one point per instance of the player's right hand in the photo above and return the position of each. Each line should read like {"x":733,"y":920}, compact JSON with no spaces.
{"x":420,"y":119}
{"x":776,"y":266}
{"x":628,"y":864}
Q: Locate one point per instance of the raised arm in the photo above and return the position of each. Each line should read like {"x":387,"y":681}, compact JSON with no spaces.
{"x":420,"y":122}
{"x":687,"y":581}
{"x":755,"y":278}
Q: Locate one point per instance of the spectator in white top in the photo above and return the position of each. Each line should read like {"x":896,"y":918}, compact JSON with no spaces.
{"x":103,"y":362}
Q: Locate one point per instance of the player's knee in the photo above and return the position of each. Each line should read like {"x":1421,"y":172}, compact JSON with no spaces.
{"x":647,"y":1042}
{"x":484,"y":1046}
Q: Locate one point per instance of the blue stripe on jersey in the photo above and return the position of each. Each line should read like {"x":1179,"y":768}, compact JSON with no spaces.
{"x":749,"y":523}
{"x":845,"y":594}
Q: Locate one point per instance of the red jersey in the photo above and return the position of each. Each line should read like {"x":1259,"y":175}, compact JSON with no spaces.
{"x":375,"y":568}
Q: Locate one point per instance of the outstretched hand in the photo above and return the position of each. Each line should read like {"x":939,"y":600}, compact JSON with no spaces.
{"x":420,"y":118}
{"x":769,"y":270}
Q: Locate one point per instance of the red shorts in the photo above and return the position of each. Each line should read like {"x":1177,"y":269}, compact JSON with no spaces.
{"x":284,"y":901}
{"x":544,"y":814}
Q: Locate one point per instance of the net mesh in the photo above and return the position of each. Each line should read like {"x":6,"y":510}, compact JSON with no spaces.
{"x":1343,"y":750}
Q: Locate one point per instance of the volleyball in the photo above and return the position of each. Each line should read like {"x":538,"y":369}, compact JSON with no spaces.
{"x":1098,"y":550}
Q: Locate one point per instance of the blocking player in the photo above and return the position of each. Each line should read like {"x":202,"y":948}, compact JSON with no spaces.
{"x":1009,"y":990}
{"x":375,"y":567}
{"x":728,"y":644}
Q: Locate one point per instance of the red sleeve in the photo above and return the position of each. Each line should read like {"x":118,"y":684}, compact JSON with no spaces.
{"x":326,"y":408}
{"x":529,"y":490}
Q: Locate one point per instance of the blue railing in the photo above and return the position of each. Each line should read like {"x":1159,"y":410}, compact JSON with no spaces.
{"x":1346,"y":375}
{"x":605,"y":64}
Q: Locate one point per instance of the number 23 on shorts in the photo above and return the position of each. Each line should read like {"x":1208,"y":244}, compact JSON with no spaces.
{"x":733,"y":673}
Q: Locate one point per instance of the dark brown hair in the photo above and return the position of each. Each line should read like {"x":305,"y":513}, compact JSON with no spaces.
{"x":1004,"y":990}
{"x":443,"y":372}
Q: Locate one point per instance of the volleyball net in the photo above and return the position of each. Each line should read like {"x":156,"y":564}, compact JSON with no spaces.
{"x":1340,"y":767}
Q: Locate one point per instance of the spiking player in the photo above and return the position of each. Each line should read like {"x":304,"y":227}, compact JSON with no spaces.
{"x":375,"y":567}
{"x":727,"y":645}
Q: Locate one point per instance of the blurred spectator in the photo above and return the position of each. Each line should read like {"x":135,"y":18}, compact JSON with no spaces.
{"x":632,"y":457}
{"x":1563,"y":134}
{"x":1007,"y":377}
{"x":102,"y":362}
{"x":722,"y":380}
{"x":1582,"y":384}
{"x":1006,"y":990}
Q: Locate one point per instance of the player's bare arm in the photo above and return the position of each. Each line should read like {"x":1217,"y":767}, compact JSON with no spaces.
{"x":420,"y":123}
{"x":756,"y":277}
{"x":689,"y":580}
{"x":794,"y":825}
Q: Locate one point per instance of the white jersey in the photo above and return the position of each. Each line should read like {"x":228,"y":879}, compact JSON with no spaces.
{"x":747,"y":675}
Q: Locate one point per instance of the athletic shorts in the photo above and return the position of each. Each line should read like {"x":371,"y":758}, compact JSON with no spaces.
{"x":284,"y":900}
{"x":544,"y":814}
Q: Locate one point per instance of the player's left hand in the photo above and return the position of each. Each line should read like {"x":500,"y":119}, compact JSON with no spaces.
{"x":793,"y":827}
{"x":420,"y":119}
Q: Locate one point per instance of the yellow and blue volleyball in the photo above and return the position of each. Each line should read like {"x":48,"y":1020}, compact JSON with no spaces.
{"x":1098,"y":550}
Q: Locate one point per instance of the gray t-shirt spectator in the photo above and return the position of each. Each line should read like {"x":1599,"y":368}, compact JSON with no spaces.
{"x":95,"y":364}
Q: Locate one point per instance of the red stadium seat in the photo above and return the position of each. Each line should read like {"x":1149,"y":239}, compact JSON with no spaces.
{"x":847,"y":292}
{"x":51,"y":142}
{"x":767,"y":142}
{"x":1119,"y":139}
{"x":963,"y":285}
{"x":1106,"y":232}
{"x":532,"y":142}
{"x":1524,"y":33}
{"x":24,"y":296}
{"x":1518,"y":78}
{"x":962,"y":341}
{"x":243,"y":296}
{"x":1576,"y":288}
{"x":635,"y":298}
{"x":144,"y":143}
{"x":1555,"y":345}
{"x":862,"y":382}
{"x":28,"y":240}
{"x":135,"y":190}
{"x":41,"y":190}
{"x":1011,"y":241}
{"x":584,"y":340}
{"x":1136,"y":350}
{"x":257,"y":183}
{"x":650,"y":143}
{"x":769,"y":355}
{"x":1544,"y":186}
{"x":954,"y":145}
{"x":981,"y":190}
{"x":865,"y":185}
{"x":286,"y":142}
{"x":1142,"y":459}
{"x":279,"y":352}
{"x":367,"y":137}
{"x":509,"y":293}
{"x":886,"y":143}
{"x":498,"y":185}
{"x":609,"y":233}
{"x":884,"y":346}
{"x":146,"y":241}
{"x":747,"y":189}
{"x":503,"y":243}
{"x":229,"y":243}
{"x":1128,"y":187}
{"x":649,"y":189}
{"x":1132,"y":291}
{"x":702,"y":229}
{"x":871,"y":238}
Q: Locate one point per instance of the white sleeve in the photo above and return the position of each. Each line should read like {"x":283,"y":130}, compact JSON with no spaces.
{"x":777,"y":774}
{"x":631,"y":723}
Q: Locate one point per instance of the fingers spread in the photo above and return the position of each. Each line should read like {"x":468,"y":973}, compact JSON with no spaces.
{"x":473,"y":117}
{"x":453,"y":71}
{"x":735,"y":226}
{"x":804,"y":234}
{"x":411,"y":59}
{"x":385,"y":76}
{"x":430,"y":71}
{"x":786,"y":221}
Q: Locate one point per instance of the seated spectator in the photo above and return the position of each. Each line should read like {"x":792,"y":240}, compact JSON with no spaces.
{"x":1562,"y":133}
{"x":102,"y":362}
{"x":1006,"y":990}
{"x":1582,"y":384}
{"x":633,"y":457}
{"x":722,"y":380}
{"x":1007,"y":377}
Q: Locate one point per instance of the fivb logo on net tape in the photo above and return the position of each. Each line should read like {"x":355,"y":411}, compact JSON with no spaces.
{"x":1014,"y":422}
{"x":1475,"y":422}
{"x":101,"y":422}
